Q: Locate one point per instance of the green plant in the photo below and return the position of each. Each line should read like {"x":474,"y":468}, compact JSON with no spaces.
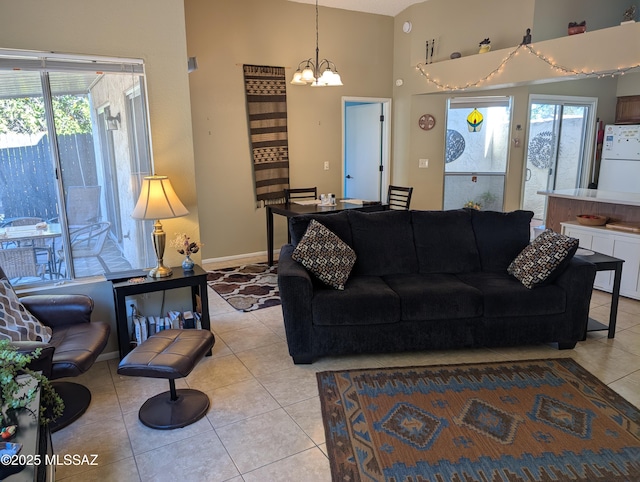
{"x":488,"y":197}
{"x":12,"y":392}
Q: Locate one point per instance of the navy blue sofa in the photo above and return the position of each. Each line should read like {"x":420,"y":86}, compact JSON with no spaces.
{"x":427,"y":280}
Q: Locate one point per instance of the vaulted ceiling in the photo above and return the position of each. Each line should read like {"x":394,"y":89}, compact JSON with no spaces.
{"x":380,"y":7}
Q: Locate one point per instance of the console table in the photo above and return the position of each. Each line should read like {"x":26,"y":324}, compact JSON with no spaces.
{"x":196,"y":279}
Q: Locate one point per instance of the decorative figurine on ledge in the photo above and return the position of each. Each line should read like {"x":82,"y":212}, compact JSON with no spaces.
{"x":575,"y":27}
{"x":485,"y":46}
{"x":526,"y":40}
{"x":629,"y":15}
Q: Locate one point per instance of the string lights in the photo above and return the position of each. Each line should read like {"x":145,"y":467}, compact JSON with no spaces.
{"x":528,"y":48}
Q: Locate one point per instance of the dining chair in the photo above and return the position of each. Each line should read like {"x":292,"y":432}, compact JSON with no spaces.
{"x":300,"y":193}
{"x":399,"y":197}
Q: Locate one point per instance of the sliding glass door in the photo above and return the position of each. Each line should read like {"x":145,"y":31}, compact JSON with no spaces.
{"x":74,"y":146}
{"x":559,"y":148}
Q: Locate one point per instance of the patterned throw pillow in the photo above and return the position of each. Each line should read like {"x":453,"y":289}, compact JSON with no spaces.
{"x":324,"y":254}
{"x":544,"y":259}
{"x":16,"y":323}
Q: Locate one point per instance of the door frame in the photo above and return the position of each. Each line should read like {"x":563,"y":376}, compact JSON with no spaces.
{"x":385,"y":148}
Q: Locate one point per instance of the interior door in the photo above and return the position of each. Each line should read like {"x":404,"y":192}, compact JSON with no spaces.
{"x":558,"y":149}
{"x":363,"y":151}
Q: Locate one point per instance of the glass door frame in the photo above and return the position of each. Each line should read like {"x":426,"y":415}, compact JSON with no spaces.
{"x":588,"y":141}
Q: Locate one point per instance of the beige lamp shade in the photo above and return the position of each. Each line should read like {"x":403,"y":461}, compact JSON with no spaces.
{"x":158,"y":200}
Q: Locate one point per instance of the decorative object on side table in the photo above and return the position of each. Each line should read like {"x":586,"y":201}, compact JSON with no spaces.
{"x":158,"y":201}
{"x":485,"y":46}
{"x":14,"y":363}
{"x":184,"y":245}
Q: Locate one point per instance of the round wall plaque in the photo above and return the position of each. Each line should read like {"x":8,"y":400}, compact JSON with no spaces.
{"x":426,"y":122}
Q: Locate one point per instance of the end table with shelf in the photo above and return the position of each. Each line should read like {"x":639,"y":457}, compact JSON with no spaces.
{"x":122,"y":288}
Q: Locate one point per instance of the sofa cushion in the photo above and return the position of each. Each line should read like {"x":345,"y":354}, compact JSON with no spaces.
{"x":544,"y":259}
{"x":16,"y":322}
{"x":435,"y":296}
{"x":445,"y":242}
{"x":383,"y":242}
{"x":366,"y":300}
{"x":336,"y":222}
{"x":325,"y":255}
{"x":500,"y":237}
{"x":503,"y":295}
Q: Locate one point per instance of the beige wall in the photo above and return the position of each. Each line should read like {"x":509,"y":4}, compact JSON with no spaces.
{"x":153,"y":30}
{"x":225,"y":34}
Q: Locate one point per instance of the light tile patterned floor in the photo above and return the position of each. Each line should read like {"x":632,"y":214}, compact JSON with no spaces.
{"x":264,"y":423}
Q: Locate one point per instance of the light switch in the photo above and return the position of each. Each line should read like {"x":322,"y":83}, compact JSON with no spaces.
{"x":326,"y":165}
{"x":423,"y":163}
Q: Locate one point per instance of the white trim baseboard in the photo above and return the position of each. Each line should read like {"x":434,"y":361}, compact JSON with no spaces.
{"x":236,"y":257}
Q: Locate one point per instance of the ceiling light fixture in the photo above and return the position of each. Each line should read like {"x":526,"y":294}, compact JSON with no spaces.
{"x":322,"y":73}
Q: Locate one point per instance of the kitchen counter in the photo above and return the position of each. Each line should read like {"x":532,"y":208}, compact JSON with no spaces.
{"x":565,"y":204}
{"x":624,"y":198}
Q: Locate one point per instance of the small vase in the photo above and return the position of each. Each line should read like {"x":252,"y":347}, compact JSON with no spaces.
{"x":188,"y":264}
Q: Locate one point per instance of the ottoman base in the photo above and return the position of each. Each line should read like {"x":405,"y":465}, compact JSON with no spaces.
{"x":163,"y":413}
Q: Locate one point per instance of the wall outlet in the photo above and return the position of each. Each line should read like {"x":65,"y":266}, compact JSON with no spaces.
{"x":326,"y":165}
{"x":423,"y":163}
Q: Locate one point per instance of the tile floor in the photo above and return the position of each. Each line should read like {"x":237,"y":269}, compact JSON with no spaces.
{"x":264,"y":423}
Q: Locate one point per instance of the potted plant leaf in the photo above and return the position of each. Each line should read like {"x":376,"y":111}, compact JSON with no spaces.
{"x":13,"y":394}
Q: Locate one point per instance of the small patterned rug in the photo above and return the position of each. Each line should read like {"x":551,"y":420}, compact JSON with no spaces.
{"x":247,"y":288}
{"x":533,"y":420}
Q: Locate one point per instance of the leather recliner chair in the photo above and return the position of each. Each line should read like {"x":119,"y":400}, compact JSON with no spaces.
{"x":77,"y":342}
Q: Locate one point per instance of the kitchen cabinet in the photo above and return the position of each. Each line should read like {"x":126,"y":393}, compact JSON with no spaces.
{"x":618,"y":244}
{"x":628,"y":110}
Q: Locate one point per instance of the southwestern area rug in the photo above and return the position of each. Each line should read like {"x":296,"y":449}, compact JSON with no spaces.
{"x":248,"y":287}
{"x":533,"y":420}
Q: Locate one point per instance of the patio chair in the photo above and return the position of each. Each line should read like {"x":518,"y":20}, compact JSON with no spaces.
{"x":20,"y":262}
{"x":83,"y":205}
{"x":88,"y":242}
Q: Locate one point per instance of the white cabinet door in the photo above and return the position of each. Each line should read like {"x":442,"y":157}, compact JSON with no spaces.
{"x":630,"y":252}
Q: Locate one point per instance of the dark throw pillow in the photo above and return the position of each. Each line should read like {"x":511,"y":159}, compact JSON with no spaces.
{"x":544,"y":259}
{"x":16,"y":322}
{"x":325,"y":255}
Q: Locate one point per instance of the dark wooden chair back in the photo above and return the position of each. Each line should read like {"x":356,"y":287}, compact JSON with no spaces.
{"x":300,"y":193}
{"x":399,"y":197}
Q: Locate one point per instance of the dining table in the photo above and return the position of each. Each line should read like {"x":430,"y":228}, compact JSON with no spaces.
{"x":298,"y":208}
{"x":33,"y":235}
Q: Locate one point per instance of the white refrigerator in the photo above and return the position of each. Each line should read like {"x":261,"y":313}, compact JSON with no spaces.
{"x":620,"y":162}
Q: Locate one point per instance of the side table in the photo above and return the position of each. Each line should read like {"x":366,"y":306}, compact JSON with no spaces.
{"x":196,"y":279}
{"x":604,"y":262}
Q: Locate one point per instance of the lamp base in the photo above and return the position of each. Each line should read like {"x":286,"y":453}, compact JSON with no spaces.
{"x":160,"y":272}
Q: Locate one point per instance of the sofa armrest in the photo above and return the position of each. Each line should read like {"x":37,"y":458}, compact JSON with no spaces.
{"x":296,"y":294}
{"x":59,"y":310}
{"x":577,"y":281}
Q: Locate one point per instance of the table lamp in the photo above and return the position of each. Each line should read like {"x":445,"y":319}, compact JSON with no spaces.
{"x":158,"y":201}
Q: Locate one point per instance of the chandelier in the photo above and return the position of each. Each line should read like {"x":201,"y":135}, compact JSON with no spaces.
{"x":319,"y":73}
